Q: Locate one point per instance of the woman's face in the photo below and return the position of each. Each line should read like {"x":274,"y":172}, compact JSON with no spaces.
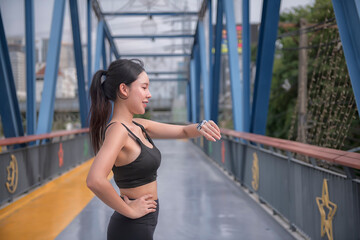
{"x":139,"y":94}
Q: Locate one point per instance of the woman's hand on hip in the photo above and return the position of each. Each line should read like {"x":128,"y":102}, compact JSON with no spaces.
{"x":141,"y":206}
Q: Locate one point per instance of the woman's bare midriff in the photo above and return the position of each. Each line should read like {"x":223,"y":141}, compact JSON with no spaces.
{"x":137,"y":192}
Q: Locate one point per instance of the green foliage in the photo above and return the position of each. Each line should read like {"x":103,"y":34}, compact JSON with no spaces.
{"x":328,"y":80}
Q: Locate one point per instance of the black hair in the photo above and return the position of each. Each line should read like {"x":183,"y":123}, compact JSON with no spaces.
{"x":105,"y":88}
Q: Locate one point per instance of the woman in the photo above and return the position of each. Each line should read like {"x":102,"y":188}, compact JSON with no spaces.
{"x":125,"y":146}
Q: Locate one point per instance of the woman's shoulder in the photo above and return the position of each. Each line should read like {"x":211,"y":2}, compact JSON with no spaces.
{"x":115,"y":131}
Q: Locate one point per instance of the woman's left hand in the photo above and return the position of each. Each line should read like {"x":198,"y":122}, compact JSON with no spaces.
{"x":210,"y":131}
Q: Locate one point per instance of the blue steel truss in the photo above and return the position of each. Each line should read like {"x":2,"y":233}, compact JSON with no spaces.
{"x":264,"y":65}
{"x":217,"y":62}
{"x":83,"y":103}
{"x":46,"y":112}
{"x":204,"y":71}
{"x":9,"y":110}
{"x":30,"y":69}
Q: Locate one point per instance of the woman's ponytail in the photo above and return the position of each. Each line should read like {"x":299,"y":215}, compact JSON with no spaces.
{"x":105,"y":88}
{"x":100,"y":110}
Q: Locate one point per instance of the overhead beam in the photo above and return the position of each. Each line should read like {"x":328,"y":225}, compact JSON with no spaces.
{"x":99,"y":15}
{"x":154,"y":36}
{"x":136,"y":14}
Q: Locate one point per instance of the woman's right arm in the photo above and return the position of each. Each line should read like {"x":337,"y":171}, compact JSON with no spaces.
{"x":98,"y":183}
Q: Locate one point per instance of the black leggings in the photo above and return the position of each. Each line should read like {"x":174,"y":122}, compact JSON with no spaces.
{"x":124,"y":228}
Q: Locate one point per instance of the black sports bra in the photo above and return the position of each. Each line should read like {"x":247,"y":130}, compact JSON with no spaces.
{"x":143,"y":169}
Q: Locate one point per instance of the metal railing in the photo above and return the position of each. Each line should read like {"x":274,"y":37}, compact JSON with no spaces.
{"x":318,"y":198}
{"x":30,"y":166}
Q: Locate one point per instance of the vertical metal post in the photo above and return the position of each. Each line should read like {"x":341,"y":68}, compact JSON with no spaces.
{"x":204,"y":71}
{"x":99,"y":45}
{"x":9,"y":108}
{"x":197,"y":82}
{"x":79,"y":63}
{"x":347,"y":15}
{"x":217,"y":62}
{"x":104,"y":54}
{"x":189,"y":102}
{"x":264,"y":65}
{"x":211,"y":55}
{"x":246,"y":50}
{"x":236,"y":83}
{"x":89,"y":42}
{"x":193,"y":90}
{"x":30,"y":68}
{"x":51,"y":72}
{"x":111,"y":56}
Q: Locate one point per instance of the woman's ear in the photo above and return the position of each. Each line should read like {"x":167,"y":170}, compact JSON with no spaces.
{"x":123,"y":90}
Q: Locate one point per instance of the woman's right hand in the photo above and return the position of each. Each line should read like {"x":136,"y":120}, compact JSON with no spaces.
{"x":141,"y":206}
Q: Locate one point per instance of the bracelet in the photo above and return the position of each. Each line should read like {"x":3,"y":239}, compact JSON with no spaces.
{"x":199,"y":126}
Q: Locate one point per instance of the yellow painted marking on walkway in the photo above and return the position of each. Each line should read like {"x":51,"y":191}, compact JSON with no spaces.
{"x":45,"y":212}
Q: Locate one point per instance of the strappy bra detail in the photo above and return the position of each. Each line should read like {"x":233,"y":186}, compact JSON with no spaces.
{"x":143,"y":169}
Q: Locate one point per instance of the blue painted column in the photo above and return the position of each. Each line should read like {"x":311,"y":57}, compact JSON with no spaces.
{"x":30,"y":68}
{"x":89,"y":42}
{"x":193,"y":91}
{"x":217,"y":63}
{"x":51,"y":72}
{"x":264,"y":66}
{"x":236,"y":83}
{"x":99,"y":45}
{"x":188,"y":101}
{"x":111,"y":56}
{"x":347,"y":15}
{"x":79,"y":63}
{"x":211,"y":55}
{"x":104,"y":54}
{"x":204,"y":70}
{"x":246,"y":50}
{"x":197,"y":82}
{"x":9,"y":108}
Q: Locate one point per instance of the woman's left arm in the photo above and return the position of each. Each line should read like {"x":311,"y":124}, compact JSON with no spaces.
{"x":165,"y":131}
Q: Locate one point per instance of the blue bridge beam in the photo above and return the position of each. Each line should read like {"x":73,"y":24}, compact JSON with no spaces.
{"x":51,"y":72}
{"x":237,"y":85}
{"x":217,"y":63}
{"x":30,"y":69}
{"x":9,"y":109}
{"x":79,"y":63}
{"x":264,"y":66}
